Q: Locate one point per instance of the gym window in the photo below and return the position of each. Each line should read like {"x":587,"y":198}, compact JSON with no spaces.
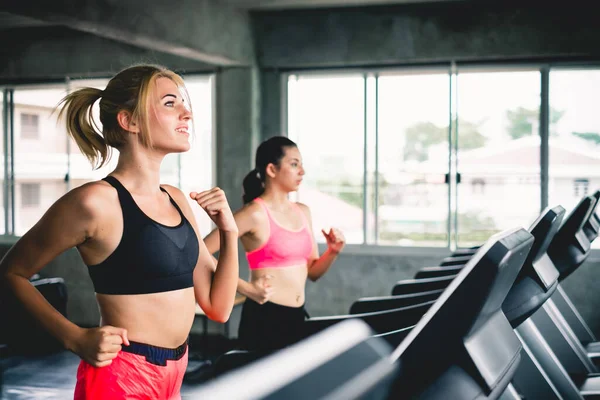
{"x":425,"y":157}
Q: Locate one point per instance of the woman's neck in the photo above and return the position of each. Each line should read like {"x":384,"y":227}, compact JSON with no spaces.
{"x":275,"y":197}
{"x":139,"y":171}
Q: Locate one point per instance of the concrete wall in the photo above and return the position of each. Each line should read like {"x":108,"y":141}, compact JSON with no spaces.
{"x":44,"y":41}
{"x":425,"y":33}
{"x":237,"y":107}
{"x":44,"y":54}
{"x":364,"y":273}
{"x":356,"y":274}
{"x":272,"y":108}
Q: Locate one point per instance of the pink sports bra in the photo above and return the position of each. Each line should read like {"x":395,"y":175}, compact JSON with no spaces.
{"x":284,"y":247}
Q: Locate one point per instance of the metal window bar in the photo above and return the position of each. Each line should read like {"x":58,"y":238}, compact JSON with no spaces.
{"x":365,"y":151}
{"x":376,"y":196}
{"x":11,"y":140}
{"x":5,"y":121}
{"x":453,"y":159}
{"x":544,"y":135}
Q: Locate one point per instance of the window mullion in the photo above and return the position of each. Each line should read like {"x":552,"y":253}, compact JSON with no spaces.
{"x":11,"y":157}
{"x":365,"y":167}
{"x":5,"y":121}
{"x":544,"y":135}
{"x":376,"y":196}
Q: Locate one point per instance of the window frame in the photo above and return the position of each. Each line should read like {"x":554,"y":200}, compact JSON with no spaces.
{"x":544,"y":69}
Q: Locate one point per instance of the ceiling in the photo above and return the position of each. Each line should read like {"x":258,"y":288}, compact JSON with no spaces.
{"x":9,"y":21}
{"x":289,"y":4}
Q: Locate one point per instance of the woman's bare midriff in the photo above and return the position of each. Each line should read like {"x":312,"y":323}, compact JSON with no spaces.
{"x":288,"y":284}
{"x":159,"y":319}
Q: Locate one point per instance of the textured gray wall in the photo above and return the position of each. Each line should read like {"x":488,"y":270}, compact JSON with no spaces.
{"x":52,"y":53}
{"x":363,"y":273}
{"x":357,"y":275}
{"x":425,"y":33}
{"x":205,"y":30}
{"x":237,"y":108}
{"x":272,"y":107}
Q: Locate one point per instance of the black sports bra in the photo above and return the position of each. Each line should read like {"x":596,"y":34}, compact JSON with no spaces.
{"x":151,"y":257}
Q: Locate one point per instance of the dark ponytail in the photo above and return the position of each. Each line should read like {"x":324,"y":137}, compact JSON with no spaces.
{"x":271,"y":151}
{"x":253,"y":186}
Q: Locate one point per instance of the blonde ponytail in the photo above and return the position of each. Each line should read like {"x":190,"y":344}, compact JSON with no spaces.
{"x":77,"y":108}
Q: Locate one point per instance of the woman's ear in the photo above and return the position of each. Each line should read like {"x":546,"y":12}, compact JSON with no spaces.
{"x":126,"y":122}
{"x":271,"y":170}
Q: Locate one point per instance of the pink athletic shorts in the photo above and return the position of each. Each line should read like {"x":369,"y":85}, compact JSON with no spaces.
{"x":140,"y":371}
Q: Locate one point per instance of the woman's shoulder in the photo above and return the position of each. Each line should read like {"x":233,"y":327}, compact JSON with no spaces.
{"x":254,"y":208}
{"x":303,"y":207}
{"x":252,"y":212}
{"x":93,"y":192}
{"x":92,"y":199}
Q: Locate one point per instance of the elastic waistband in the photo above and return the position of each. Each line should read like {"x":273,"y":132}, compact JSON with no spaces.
{"x":274,"y":307}
{"x":154,"y":354}
{"x":269,"y":304}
